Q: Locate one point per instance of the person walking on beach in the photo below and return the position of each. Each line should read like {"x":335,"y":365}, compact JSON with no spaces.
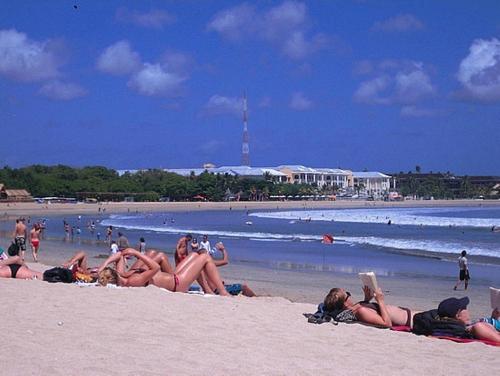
{"x":20,"y":235}
{"x":142,"y":245}
{"x":122,"y":242}
{"x":464,"y":271}
{"x":109,"y":234}
{"x":35,"y":241}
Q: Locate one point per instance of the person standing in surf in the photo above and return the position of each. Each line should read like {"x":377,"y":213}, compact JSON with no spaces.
{"x":464,"y":271}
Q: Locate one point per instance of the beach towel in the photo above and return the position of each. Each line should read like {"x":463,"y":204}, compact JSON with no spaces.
{"x":467,"y":340}
{"x":401,"y":328}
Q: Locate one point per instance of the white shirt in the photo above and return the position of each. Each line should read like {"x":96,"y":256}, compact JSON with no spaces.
{"x":205,"y":245}
{"x":462,"y":263}
{"x":114,"y":248}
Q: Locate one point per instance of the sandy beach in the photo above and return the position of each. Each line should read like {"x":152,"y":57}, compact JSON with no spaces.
{"x":67,"y":329}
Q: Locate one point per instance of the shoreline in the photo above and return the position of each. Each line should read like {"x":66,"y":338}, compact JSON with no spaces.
{"x":13,"y":210}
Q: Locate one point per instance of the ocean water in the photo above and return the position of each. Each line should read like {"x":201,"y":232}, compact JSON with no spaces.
{"x":418,"y":242}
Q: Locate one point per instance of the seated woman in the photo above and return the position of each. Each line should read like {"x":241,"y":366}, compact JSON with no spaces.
{"x":14,"y":267}
{"x":180,"y":280}
{"x":379,"y":314}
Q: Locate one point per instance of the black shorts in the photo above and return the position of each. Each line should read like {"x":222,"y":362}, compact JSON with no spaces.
{"x":464,"y":275}
{"x":21,"y":243}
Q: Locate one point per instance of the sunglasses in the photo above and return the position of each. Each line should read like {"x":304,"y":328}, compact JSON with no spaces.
{"x":347,"y":295}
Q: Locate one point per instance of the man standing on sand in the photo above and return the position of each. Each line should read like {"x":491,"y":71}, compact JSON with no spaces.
{"x":20,"y":235}
{"x":205,"y":244}
{"x":35,"y":241}
{"x":464,"y":271}
{"x":122,"y":242}
{"x":181,"y":250}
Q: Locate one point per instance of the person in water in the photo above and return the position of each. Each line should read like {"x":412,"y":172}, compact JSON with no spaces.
{"x":376,"y":313}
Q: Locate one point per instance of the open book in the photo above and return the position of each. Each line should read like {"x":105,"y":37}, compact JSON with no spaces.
{"x":369,"y":279}
{"x":495,"y":297}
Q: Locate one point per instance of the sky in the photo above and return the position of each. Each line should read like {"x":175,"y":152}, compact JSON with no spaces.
{"x":377,"y":85}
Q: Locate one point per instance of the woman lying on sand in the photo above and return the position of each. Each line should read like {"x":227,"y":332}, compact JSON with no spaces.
{"x":14,"y":267}
{"x":148,"y":271}
{"x":379,"y":313}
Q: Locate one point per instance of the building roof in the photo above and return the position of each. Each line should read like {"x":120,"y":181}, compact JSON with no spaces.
{"x":333,"y":171}
{"x":369,"y":174}
{"x":17,"y":193}
{"x":247,"y":171}
{"x":298,"y":168}
{"x":186,"y":171}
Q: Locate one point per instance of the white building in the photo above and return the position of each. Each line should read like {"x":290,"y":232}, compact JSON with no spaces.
{"x":371,"y":183}
{"x":298,"y":174}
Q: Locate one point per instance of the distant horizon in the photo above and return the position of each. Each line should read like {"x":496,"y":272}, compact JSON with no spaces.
{"x":366,"y":84}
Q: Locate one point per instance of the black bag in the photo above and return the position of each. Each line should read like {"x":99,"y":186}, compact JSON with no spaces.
{"x":58,"y":275}
{"x":429,"y":323}
{"x":13,"y":250}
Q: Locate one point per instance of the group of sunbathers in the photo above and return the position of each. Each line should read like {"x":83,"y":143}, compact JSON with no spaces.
{"x":340,"y":305}
{"x":150,"y":268}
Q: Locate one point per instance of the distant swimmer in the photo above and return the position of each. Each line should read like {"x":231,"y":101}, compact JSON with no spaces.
{"x":389,"y":222}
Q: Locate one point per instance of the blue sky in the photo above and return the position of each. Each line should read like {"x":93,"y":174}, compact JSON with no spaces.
{"x":381,"y":85}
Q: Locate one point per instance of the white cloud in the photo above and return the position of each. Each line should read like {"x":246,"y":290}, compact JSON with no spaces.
{"x":414,"y":111}
{"x":220,"y":105}
{"x":178,"y":62}
{"x":58,"y":90}
{"x":285,"y":26}
{"x":299,"y":102}
{"x":23,"y":59}
{"x":402,"y":22}
{"x":234,"y":23}
{"x":156,"y":80}
{"x":371,"y":91}
{"x":396,"y":82}
{"x":155,"y":18}
{"x":118,"y":59}
{"x":479,"y":72}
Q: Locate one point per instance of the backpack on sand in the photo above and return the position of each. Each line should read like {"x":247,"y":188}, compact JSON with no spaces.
{"x":58,"y":275}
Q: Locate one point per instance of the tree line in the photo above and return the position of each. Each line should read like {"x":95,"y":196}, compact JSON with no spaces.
{"x":151,"y":185}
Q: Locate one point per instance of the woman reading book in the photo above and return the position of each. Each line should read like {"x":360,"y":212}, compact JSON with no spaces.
{"x":378,"y":313}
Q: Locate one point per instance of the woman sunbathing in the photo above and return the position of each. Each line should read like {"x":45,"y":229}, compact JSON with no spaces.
{"x":14,"y":267}
{"x":149,"y":272}
{"x":380,"y":314}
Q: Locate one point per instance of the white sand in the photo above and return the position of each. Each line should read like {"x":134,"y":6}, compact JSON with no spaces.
{"x":58,"y":329}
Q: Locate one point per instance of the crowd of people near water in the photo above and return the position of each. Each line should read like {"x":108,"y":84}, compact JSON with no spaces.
{"x":195,"y":261}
